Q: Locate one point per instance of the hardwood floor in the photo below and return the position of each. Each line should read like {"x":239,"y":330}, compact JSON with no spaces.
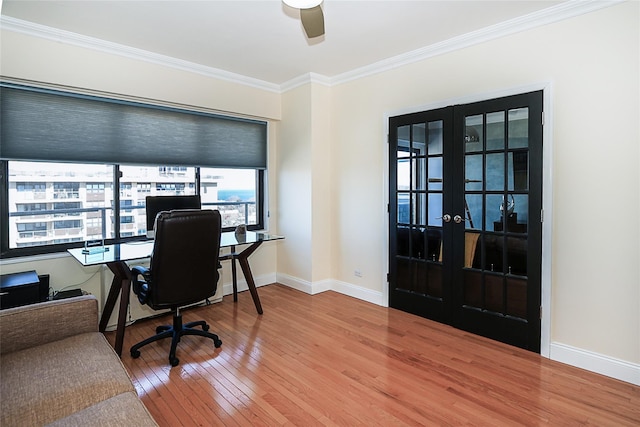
{"x":329,"y":359}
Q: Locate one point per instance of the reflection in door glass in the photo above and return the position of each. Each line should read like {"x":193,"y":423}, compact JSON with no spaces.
{"x":404,"y":208}
{"x":473,"y":211}
{"x":419,"y":208}
{"x":519,"y":128}
{"x":435,"y":209}
{"x":419,"y":173}
{"x":473,"y":172}
{"x":517,"y":222}
{"x":403,"y":174}
{"x":404,"y":136}
{"x":435,"y":173}
{"x":473,"y":135}
{"x":517,"y":256}
{"x":435,"y":137}
{"x":495,"y":172}
{"x":493,"y":216}
{"x":518,"y":171}
{"x":418,"y":141}
{"x":495,"y":131}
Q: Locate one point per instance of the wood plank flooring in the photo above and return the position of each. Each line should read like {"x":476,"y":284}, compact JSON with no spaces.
{"x":329,"y":359}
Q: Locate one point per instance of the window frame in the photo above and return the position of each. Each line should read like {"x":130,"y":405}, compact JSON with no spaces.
{"x":6,"y":252}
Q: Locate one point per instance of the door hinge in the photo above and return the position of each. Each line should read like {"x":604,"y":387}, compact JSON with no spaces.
{"x":387,"y":277}
{"x":542,"y":121}
{"x":388,"y":208}
{"x":540,"y":312}
{"x":542,"y":215}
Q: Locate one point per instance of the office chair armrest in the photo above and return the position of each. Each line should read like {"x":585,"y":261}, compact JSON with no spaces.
{"x":141,"y":287}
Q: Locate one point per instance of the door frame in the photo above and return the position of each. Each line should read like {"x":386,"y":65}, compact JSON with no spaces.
{"x":547,"y":191}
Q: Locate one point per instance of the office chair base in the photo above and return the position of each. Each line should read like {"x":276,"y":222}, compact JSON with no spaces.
{"x":176,"y":331}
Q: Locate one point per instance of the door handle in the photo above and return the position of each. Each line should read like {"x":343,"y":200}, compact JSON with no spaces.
{"x":445,"y":217}
{"x":457,"y":219}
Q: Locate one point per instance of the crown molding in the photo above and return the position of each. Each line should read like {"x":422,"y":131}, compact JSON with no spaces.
{"x":67,"y":37}
{"x":562,"y":11}
{"x":305,"y":79}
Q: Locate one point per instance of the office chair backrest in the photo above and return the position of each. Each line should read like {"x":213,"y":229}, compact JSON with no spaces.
{"x":184,"y":265}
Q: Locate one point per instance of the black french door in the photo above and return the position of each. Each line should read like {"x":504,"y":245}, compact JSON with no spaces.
{"x":465,"y":216}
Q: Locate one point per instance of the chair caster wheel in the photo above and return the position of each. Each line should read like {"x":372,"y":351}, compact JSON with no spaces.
{"x":205,"y":327}
{"x":135,"y":354}
{"x":174,"y":361}
{"x":217,"y":343}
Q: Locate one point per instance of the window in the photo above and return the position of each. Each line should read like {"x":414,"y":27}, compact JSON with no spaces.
{"x":234,"y":192}
{"x":62,"y":212}
{"x":31,"y":207}
{"x":71,"y":166}
{"x":32,"y":187}
{"x":79,"y":210}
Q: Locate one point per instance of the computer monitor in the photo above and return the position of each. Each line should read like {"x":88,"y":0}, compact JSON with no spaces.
{"x":157,"y":204}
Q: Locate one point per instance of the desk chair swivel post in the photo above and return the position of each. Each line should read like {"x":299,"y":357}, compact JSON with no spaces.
{"x":183,"y":271}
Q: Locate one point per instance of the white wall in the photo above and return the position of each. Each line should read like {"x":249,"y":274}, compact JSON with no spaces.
{"x":294,"y":177}
{"x":591,"y":64}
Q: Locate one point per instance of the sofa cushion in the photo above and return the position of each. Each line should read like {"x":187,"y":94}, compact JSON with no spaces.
{"x":122,"y":410}
{"x":44,"y":383}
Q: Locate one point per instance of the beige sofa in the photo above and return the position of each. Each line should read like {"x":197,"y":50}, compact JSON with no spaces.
{"x":57,"y":369}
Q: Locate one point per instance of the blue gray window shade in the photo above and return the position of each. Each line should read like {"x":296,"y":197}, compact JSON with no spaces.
{"x":48,"y":125}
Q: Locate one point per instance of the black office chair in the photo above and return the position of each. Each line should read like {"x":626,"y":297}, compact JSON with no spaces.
{"x":183,"y":271}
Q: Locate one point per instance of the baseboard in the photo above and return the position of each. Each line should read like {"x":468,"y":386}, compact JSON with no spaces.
{"x":262,"y":280}
{"x":594,"y":362}
{"x":331,"y":285}
{"x":303,"y":285}
{"x":359,"y":292}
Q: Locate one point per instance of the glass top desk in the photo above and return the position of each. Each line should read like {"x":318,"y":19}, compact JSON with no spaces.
{"x":117,"y":255}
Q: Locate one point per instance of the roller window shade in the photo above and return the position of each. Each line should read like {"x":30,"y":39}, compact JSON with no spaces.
{"x":47,"y":125}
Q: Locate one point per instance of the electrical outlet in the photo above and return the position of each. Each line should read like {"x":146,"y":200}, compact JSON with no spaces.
{"x":357,"y":273}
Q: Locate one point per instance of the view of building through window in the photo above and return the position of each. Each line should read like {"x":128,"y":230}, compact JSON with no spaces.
{"x":53,"y":203}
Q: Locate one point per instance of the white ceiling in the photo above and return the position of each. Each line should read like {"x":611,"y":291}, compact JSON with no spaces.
{"x":265,"y":40}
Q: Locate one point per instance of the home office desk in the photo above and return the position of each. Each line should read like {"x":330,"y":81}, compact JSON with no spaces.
{"x":117,"y":255}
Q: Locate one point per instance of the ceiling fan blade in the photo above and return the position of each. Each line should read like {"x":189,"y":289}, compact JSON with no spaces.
{"x":312,"y":21}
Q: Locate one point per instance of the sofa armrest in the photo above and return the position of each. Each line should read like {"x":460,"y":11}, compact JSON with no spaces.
{"x":36,"y":324}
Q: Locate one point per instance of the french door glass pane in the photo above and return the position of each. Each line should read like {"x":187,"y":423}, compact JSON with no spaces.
{"x":495,"y":131}
{"x":435,"y":210}
{"x":517,"y":222}
{"x":518,"y":171}
{"x":494,"y":172}
{"x":473,"y":136}
{"x":473,"y":172}
{"x":493,"y":214}
{"x":435,"y":137}
{"x":420,"y":208}
{"x":418,"y":140}
{"x":404,"y":208}
{"x":419,"y":173}
{"x":517,"y":256}
{"x":403,"y":174}
{"x":519,"y":128}
{"x":473,"y":211}
{"x":435,"y":173}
